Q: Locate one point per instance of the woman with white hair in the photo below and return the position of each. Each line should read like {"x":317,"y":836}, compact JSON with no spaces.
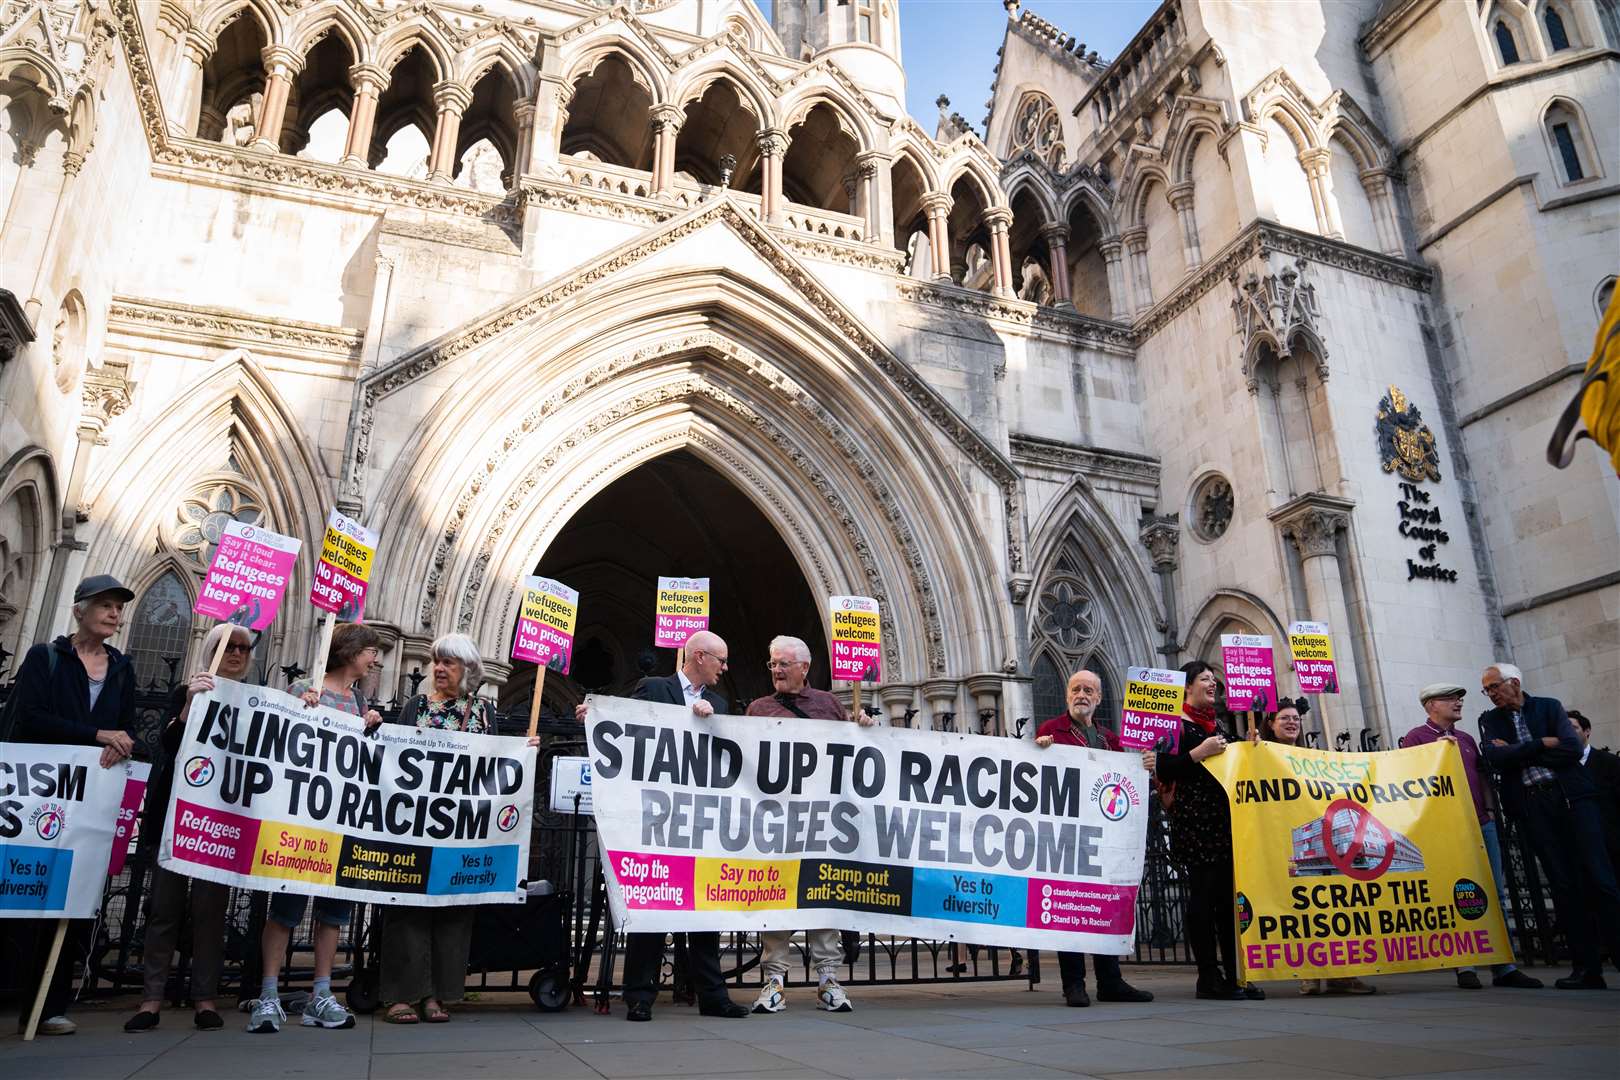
{"x":424,"y":949}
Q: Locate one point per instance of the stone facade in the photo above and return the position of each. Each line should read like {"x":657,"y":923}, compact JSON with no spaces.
{"x":1119,"y":377}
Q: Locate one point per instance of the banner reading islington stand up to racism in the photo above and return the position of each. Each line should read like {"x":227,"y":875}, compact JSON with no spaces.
{"x":270,"y":794}
{"x":1358,"y":864}
{"x":749,"y":822}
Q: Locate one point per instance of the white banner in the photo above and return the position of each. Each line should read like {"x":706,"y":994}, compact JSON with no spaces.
{"x":273,"y":795}
{"x":754,"y":823}
{"x":59,"y":810}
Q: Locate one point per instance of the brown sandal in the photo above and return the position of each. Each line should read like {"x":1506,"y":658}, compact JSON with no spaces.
{"x":435,"y":1014}
{"x":401,"y":1013}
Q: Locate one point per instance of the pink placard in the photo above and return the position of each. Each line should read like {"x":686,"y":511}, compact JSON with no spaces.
{"x":1317,"y":676}
{"x":1251,"y":672}
{"x":1081,"y":907}
{"x":682,"y":609}
{"x":134,"y":792}
{"x":857,"y":639}
{"x":344,"y":568}
{"x":248,"y":577}
{"x":545,"y":626}
{"x":654,"y":882}
{"x":208,"y":837}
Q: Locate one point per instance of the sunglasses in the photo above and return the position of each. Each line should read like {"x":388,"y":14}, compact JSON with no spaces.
{"x":238,"y":647}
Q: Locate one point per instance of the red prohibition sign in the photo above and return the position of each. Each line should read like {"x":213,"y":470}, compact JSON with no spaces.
{"x":1365,"y":822}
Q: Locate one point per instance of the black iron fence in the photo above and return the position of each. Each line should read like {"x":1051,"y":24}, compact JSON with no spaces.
{"x":563,"y":854}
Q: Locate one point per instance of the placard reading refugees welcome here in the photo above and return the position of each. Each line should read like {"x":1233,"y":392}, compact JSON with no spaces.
{"x":275,"y":795}
{"x":810,"y":823}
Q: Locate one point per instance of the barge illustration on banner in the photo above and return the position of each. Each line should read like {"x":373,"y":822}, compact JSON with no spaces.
{"x":248,"y":576}
{"x":857,"y":639}
{"x":1312,"y":650}
{"x":344,"y":568}
{"x":681,"y":611}
{"x":803,"y":824}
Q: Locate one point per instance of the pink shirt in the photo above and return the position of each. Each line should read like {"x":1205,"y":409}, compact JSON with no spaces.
{"x":1426,"y":733}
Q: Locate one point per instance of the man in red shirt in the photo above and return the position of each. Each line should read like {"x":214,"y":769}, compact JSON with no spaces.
{"x":1075,"y":728}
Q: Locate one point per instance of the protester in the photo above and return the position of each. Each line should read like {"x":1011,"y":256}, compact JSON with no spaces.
{"x":74,"y":691}
{"x":1532,"y":744}
{"x":789,"y":668}
{"x":424,"y":949}
{"x":167,"y":902}
{"x":1603,"y":766}
{"x":705,"y":659}
{"x":1201,"y":840}
{"x":353,"y":652}
{"x":1076,"y":727}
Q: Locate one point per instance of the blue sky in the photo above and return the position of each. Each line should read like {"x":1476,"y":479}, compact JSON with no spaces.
{"x":949,"y":46}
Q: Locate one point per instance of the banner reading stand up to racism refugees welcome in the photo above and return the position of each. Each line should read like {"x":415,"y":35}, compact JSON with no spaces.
{"x":275,"y":795}
{"x":1357,"y":864}
{"x":796,"y":824}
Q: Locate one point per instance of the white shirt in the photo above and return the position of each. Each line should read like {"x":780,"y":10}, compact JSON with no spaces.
{"x":1586,"y":752}
{"x":693,"y":693}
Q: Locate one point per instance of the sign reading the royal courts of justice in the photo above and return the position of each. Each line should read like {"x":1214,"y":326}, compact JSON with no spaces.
{"x":782,"y":824}
{"x":275,"y":795}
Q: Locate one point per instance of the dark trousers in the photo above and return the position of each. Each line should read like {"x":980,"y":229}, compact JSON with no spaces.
{"x":1072,"y":966}
{"x":644,"y":961}
{"x":165,"y":913}
{"x":75,"y":948}
{"x":424,"y":953}
{"x":1210,"y":922}
{"x":1568,"y":841}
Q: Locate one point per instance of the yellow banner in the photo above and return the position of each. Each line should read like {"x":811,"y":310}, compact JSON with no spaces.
{"x":1358,"y":864}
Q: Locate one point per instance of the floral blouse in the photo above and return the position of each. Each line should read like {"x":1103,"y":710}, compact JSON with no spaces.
{"x":471,"y":714}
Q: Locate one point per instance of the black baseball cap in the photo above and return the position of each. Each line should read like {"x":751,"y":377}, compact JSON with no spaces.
{"x":99,"y":584}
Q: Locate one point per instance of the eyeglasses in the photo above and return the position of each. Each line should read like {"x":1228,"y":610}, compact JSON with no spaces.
{"x":713,"y":656}
{"x":783,"y":665}
{"x":238,"y":647}
{"x":1492,"y":686}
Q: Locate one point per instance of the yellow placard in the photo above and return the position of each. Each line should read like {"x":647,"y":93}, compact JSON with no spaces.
{"x":1310,"y":646}
{"x":1358,"y":864}
{"x":297,"y":852}
{"x":745,"y":884}
{"x":347,"y":554}
{"x":553,"y":611}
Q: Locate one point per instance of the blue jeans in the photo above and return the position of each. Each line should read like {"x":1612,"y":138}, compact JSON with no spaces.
{"x":288,"y":909}
{"x":1493,"y":851}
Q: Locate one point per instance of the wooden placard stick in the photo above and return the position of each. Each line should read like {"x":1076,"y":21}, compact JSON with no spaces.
{"x":855,"y":705}
{"x":680,"y":658}
{"x":318,"y":676}
{"x":219,"y":653}
{"x":534,"y":701}
{"x":45,"y":980}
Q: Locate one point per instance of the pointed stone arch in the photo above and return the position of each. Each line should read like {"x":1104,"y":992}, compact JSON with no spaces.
{"x":30,"y":513}
{"x":220,"y":15}
{"x":332,"y":17}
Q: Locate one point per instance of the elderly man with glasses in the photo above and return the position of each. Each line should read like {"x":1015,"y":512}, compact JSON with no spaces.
{"x":1531,"y":743}
{"x":790,"y":667}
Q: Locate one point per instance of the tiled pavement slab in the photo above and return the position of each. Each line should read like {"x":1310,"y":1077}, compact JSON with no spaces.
{"x":1417,"y":1026}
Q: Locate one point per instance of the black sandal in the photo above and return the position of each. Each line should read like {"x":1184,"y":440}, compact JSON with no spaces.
{"x":142,"y":1021}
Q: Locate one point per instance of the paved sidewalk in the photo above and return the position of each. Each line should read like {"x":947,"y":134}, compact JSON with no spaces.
{"x":1416,"y":1026}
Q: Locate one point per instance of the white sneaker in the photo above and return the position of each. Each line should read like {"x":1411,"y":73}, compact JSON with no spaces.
{"x":771,"y":999}
{"x":832,"y":998}
{"x":267,"y":1017}
{"x":57,"y":1025}
{"x":324,"y":1010}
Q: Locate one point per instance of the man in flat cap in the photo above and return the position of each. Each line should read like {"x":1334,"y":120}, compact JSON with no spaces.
{"x":1442,"y":701}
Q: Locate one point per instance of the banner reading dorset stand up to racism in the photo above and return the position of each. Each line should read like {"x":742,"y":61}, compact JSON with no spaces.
{"x":58,"y":811}
{"x":1357,"y":864}
{"x":271,"y":794}
{"x":798,"y":824}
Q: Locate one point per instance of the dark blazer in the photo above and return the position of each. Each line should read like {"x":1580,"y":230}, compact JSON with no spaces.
{"x":54,"y":707}
{"x":1604,"y":769}
{"x":667,"y":689}
{"x":1543,"y":717}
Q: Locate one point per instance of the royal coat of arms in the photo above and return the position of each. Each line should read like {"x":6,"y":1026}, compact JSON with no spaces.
{"x":1405,"y":443}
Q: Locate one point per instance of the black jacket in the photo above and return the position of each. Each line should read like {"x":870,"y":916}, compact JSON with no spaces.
{"x":1604,"y":769}
{"x":54,"y":707}
{"x":667,"y":689}
{"x":1543,"y":717}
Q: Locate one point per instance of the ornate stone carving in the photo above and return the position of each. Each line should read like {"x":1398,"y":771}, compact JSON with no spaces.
{"x":1161,"y":535}
{"x":1405,"y":443}
{"x":172,"y":321}
{"x":1312,"y":523}
{"x":15,"y":330}
{"x":1276,"y":306}
{"x":1066,"y":614}
{"x":104,"y":395}
{"x":1212,"y":506}
{"x":1080,"y":329}
{"x":201,"y":517}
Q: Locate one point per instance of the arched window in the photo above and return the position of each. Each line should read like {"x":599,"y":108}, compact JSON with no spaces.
{"x":1557,"y":36}
{"x":1049,"y":686}
{"x":1505,"y":45}
{"x":1038,"y":128}
{"x":1574,"y":158}
{"x":160,"y":630}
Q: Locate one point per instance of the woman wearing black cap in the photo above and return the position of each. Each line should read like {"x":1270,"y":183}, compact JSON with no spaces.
{"x":74,"y":691}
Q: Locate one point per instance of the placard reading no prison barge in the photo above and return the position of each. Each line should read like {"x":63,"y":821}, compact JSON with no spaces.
{"x":271,"y":794}
{"x":756,"y":823}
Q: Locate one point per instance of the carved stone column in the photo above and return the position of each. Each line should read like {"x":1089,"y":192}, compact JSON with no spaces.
{"x":282,"y":65}
{"x":986,"y":693}
{"x":173,"y":20}
{"x":1181,"y":201}
{"x":72,"y":162}
{"x":1141,"y":284}
{"x":1119,"y":298}
{"x":184,"y":104}
{"x":773,"y":144}
{"x":1319,"y":177}
{"x":1376,"y":183}
{"x":897,"y":699}
{"x":937,"y":205}
{"x":451,"y":99}
{"x":941,"y":695}
{"x":369,"y":81}
{"x":1161,"y":535}
{"x":666,"y":123}
{"x":1312,"y":524}
{"x":1057,"y":247}
{"x":998,"y":219}
{"x":869,"y":167}
{"x":550,"y":118}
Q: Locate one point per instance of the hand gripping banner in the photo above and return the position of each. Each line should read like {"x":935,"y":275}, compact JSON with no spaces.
{"x":749,"y":823}
{"x":274,"y":795}
{"x":59,"y":810}
{"x":1358,"y":864}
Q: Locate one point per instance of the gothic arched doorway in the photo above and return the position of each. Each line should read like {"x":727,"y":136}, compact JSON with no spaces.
{"x":675,"y":516}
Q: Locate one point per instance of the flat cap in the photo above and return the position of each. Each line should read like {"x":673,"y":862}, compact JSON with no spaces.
{"x":97,"y":584}
{"x":1440,"y":690}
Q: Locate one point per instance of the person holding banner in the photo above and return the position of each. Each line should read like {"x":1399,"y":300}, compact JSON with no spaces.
{"x":167,"y":902}
{"x":789,"y":667}
{"x":74,"y":691}
{"x":1076,"y":728}
{"x":424,"y":949}
{"x":353,"y":651}
{"x":1201,"y":839}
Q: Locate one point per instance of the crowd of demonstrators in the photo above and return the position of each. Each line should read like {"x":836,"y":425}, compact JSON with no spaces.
{"x":1533,"y":746}
{"x":171,"y":893}
{"x":1077,"y":726}
{"x":74,"y":691}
